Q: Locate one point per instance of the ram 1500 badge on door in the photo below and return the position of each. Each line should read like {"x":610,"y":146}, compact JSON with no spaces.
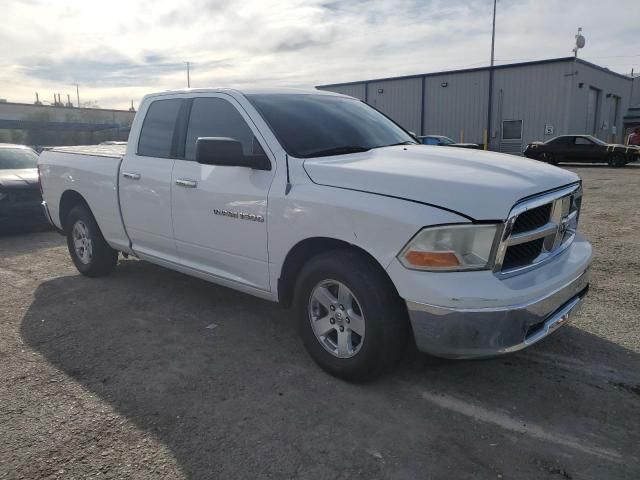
{"x":317,"y":201}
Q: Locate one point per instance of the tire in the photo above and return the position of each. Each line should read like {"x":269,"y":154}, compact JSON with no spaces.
{"x":548,"y":158}
{"x":91,"y":254}
{"x":616,"y":160}
{"x":375,"y":321}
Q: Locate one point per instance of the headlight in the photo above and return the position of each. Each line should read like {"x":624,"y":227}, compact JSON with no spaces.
{"x":451,"y":247}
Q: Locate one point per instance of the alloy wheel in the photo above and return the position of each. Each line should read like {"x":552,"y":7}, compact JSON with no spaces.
{"x":336,"y":318}
{"x":82,"y":242}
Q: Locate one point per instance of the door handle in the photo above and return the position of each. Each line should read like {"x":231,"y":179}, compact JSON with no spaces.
{"x":131,"y":175}
{"x":185,"y":182}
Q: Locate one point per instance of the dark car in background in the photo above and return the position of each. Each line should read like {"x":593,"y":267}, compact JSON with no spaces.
{"x":583,"y":149}
{"x":445,"y":142}
{"x":20,"y":197}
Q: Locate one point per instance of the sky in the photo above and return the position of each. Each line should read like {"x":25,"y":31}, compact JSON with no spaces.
{"x":119,"y":50}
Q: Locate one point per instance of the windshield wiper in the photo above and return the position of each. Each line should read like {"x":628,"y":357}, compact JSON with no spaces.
{"x":338,"y":151}
{"x":408,"y":142}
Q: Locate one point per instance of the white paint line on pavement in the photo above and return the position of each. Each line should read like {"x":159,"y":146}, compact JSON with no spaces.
{"x":507,"y":422}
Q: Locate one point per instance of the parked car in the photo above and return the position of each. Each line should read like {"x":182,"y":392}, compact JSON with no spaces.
{"x":20,"y":198}
{"x":316,"y":200}
{"x":445,"y":142}
{"x":40,"y":148}
{"x":583,"y":149}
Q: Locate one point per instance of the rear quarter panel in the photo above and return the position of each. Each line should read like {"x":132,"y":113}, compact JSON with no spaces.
{"x":95,"y":179}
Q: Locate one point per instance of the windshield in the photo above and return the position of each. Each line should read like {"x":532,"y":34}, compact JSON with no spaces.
{"x":15,"y":158}
{"x":446,"y":140}
{"x":309,"y":125}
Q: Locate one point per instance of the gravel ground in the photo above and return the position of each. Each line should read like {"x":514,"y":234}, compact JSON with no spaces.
{"x":152,"y":374}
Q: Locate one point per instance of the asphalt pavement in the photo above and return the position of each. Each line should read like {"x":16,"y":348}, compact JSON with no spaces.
{"x":149,"y":373}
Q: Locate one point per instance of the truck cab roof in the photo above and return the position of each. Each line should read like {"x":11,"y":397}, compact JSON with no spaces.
{"x":247,"y":91}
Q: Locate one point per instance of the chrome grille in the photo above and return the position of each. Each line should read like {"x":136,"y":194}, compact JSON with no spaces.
{"x":531,"y":219}
{"x":538,"y":229}
{"x":522,"y":254}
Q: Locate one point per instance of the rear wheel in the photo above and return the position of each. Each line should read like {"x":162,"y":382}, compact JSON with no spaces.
{"x":548,"y":158}
{"x":616,"y":160}
{"x":350,"y":318}
{"x":89,"y":251}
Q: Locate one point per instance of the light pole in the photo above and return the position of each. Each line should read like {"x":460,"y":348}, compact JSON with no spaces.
{"x":580,"y":43}
{"x":188,"y":76}
{"x":490,"y":95}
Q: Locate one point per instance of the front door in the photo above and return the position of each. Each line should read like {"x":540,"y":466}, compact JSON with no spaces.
{"x":145,"y":182}
{"x":220,"y":212}
{"x":582,"y":150}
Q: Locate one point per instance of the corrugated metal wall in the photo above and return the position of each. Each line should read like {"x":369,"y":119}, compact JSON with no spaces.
{"x":354,"y":90}
{"x":610,"y":87}
{"x":460,"y":106}
{"x":399,"y":99}
{"x":635,"y":99}
{"x":545,"y":96}
{"x":536,"y":95}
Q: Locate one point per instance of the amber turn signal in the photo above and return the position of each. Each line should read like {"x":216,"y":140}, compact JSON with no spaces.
{"x":432,"y":259}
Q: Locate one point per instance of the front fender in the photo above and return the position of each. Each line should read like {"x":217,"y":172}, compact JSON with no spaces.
{"x":377,"y":224}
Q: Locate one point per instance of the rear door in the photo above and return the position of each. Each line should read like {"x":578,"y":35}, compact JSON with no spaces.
{"x":220,"y":212}
{"x":145,"y":181}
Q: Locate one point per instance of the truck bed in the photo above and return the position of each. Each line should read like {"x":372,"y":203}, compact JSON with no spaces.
{"x":116,"y":151}
{"x":93,"y":172}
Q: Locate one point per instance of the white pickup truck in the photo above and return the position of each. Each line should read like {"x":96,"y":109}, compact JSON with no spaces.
{"x":318,"y":201}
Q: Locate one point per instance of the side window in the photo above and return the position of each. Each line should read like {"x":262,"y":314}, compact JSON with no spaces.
{"x":431,"y":141}
{"x":156,"y":135}
{"x":215,"y":117}
{"x":582,"y":141}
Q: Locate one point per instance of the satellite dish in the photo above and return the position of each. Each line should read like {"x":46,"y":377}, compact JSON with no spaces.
{"x":580,"y":42}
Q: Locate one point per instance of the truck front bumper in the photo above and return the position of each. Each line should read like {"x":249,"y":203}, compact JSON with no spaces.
{"x":485,"y":316}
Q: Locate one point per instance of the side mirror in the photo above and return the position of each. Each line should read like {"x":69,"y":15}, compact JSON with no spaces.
{"x":226,"y":151}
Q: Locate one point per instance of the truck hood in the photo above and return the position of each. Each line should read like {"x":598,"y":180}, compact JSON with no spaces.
{"x":24,"y":177}
{"x":481,"y":185}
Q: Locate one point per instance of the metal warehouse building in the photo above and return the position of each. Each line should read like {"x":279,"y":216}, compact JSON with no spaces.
{"x":530,"y":101}
{"x":37,"y":124}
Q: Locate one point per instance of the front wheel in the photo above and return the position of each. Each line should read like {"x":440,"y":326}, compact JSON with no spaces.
{"x":90,"y":252}
{"x":548,"y":158}
{"x":350,"y":318}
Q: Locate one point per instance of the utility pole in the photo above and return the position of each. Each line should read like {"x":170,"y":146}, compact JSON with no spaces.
{"x":490,"y":95}
{"x":188,"y":76}
{"x":580,"y":43}
{"x":77,"y":93}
